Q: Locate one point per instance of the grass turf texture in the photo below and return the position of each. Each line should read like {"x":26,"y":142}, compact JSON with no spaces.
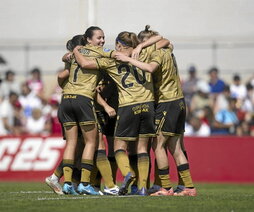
{"x":211,"y":197}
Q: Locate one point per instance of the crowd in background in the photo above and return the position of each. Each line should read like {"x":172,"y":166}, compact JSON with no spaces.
{"x":214,"y":107}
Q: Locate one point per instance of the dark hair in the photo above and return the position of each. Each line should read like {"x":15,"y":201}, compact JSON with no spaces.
{"x":89,"y":32}
{"x":236,"y":77}
{"x":75,"y":41}
{"x":213,"y":69}
{"x":129,"y":39}
{"x":8,"y":73}
{"x":146,"y":33}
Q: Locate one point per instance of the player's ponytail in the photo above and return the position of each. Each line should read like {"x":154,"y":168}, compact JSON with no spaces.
{"x":77,"y":40}
{"x":147,"y":33}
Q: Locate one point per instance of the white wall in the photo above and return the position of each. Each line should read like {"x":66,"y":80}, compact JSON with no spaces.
{"x":185,"y":22}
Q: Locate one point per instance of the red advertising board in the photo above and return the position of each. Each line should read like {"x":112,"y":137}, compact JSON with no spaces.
{"x":212,"y":159}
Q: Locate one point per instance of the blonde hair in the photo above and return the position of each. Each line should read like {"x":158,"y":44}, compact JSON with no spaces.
{"x":128,"y":39}
{"x":146,"y":33}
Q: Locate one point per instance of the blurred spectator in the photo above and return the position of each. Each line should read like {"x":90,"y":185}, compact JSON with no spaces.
{"x":57,"y":91}
{"x":28,"y":100}
{"x":227,"y":118}
{"x":56,"y":125}
{"x":19,"y":119}
{"x":37,"y":124}
{"x":237,"y":89}
{"x":197,"y":127}
{"x":221,"y":100}
{"x":7,"y":115}
{"x":190,"y":85}
{"x":216,"y":85}
{"x":201,"y":98}
{"x":9,"y":84}
{"x":35,"y":82}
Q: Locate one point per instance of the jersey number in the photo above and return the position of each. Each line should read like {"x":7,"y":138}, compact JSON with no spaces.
{"x":140,"y":79}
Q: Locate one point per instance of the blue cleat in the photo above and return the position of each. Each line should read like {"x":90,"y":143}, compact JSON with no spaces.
{"x":128,"y":179}
{"x":142,"y":192}
{"x":90,"y":190}
{"x":153,"y":189}
{"x":134,"y":189}
{"x":69,"y":189}
{"x":179,"y":189}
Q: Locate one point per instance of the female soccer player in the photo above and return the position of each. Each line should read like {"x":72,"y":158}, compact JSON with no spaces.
{"x":170,"y":117}
{"x":77,"y":109}
{"x":136,"y":106}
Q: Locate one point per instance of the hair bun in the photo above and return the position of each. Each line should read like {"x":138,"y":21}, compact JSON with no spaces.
{"x":147,"y":27}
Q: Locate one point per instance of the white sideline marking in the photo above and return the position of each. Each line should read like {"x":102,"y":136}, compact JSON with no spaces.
{"x":86,"y":197}
{"x":31,"y":192}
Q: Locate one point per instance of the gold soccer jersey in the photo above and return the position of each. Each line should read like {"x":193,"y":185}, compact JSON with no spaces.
{"x":133,"y":84}
{"x":82,"y":81}
{"x":167,"y":83}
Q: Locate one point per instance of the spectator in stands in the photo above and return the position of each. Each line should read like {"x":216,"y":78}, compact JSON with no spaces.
{"x":37,"y":124}
{"x":56,"y":125}
{"x":201,"y":98}
{"x":227,"y":118}
{"x":57,"y":91}
{"x":35,"y":83}
{"x":221,"y":100}
{"x":19,"y":119}
{"x":216,"y":85}
{"x":190,"y":85}
{"x":237,"y":89}
{"x":197,"y":127}
{"x":9,"y":85}
{"x":29,"y":100}
{"x":7,"y":115}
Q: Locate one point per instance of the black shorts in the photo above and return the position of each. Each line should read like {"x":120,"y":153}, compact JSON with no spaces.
{"x":106,"y":124}
{"x":77,"y":110}
{"x":135,"y":121}
{"x":170,"y":117}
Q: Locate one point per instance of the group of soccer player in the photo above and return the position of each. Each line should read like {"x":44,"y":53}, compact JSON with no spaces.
{"x":133,"y":96}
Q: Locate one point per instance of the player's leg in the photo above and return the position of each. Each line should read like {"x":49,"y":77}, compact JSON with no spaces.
{"x":174,"y":146}
{"x":90,"y":134}
{"x":104,"y":167}
{"x":143,"y":165}
{"x":163,"y":166}
{"x":71,"y":133}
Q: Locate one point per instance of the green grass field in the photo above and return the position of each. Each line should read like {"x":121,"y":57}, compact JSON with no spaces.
{"x":211,"y":197}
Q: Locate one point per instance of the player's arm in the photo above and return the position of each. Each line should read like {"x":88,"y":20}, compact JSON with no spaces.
{"x":149,"y":67}
{"x":158,"y":40}
{"x":84,"y":62}
{"x":109,"y":110}
{"x":62,"y":77}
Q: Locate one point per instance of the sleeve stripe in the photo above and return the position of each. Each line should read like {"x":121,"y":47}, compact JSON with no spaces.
{"x":98,"y":65}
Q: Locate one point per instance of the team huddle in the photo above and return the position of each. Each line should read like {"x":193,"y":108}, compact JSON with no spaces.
{"x":132,"y":96}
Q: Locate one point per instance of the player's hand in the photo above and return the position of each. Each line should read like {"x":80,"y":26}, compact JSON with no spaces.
{"x":121,"y":57}
{"x":67,"y":57}
{"x":110,"y":111}
{"x":77,"y":48}
{"x":136,"y":52}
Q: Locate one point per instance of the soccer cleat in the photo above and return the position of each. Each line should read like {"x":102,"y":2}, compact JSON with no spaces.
{"x":90,"y":190}
{"x":142,"y":192}
{"x":134,"y":189}
{"x":69,"y":189}
{"x":186,"y":192}
{"x":153,"y":189}
{"x":163,"y":192}
{"x":128,"y":179}
{"x":111,"y":191}
{"x":179,"y":188}
{"x":54,"y":185}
